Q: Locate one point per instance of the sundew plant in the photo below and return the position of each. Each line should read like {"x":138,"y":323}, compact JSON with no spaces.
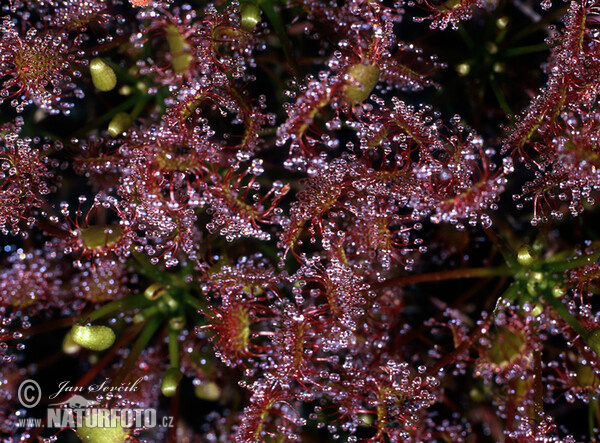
{"x":302,"y":220}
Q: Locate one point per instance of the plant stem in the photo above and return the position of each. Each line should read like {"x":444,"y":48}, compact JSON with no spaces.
{"x":526,"y":50}
{"x":124,"y":304}
{"x":139,"y":107}
{"x":479,"y":331}
{"x":501,"y":271}
{"x":140,"y":344}
{"x":175,"y":414}
{"x":591,"y":404}
{"x":275,"y":19}
{"x":538,"y":386}
{"x":562,"y":310}
{"x":193,"y":302}
{"x":173,"y":348}
{"x":500,"y":96}
{"x":108,"y":115}
{"x":504,"y":247}
{"x":570,"y":264}
{"x":42,"y":327}
{"x":148,"y":269}
{"x":454,"y":274}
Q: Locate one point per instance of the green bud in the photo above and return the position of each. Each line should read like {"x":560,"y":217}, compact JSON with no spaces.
{"x":95,"y":338}
{"x":536,"y":310}
{"x":593,"y":340}
{"x":181,"y":62}
{"x":463,"y":69}
{"x":364,"y":78}
{"x":146,"y":314}
{"x":142,"y":87}
{"x":69,"y":346}
{"x":175,"y":40}
{"x":449,"y":5}
{"x":125,"y":90}
{"x":208,"y":391}
{"x":119,"y":124}
{"x":537,"y":277}
{"x":112,"y":434}
{"x":179,"y":49}
{"x":250,"y":14}
{"x":491,"y":47}
{"x":155,"y":291}
{"x":177,"y":323}
{"x":525,"y":256}
{"x":502,"y":22}
{"x":170,"y":382}
{"x":476,"y":395}
{"x":532,"y":288}
{"x":170,"y":303}
{"x":536,"y":283}
{"x":103,"y":76}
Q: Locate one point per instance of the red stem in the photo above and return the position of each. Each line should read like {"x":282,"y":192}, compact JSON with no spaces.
{"x":453,"y":274}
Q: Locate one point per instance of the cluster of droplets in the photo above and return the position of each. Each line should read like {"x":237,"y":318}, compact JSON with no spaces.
{"x":187,"y":183}
{"x":25,"y":179}
{"x":86,"y":238}
{"x":506,"y":352}
{"x":169,"y":171}
{"x":444,"y":173}
{"x":285,"y":345}
{"x":557,"y":135}
{"x":212,"y":48}
{"x":39,"y":67}
{"x":105,"y":280}
{"x":450,"y":12}
{"x":368,"y":55}
{"x":391,"y":400}
{"x":71,"y":15}
{"x":542,"y":429}
{"x":32,"y":281}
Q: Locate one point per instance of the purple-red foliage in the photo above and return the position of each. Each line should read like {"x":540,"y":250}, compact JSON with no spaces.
{"x":280,"y":202}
